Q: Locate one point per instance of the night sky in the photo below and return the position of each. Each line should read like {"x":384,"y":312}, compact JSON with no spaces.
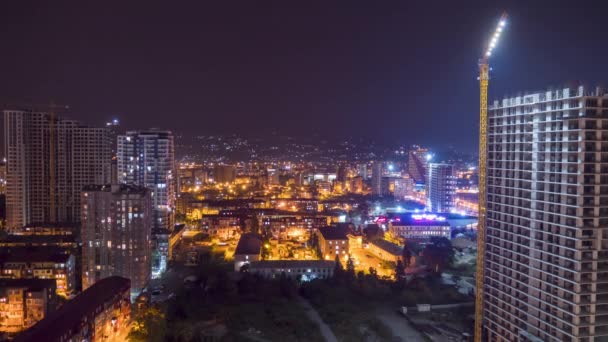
{"x":394,"y":71}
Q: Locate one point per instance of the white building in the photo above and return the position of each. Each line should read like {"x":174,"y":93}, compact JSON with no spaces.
{"x":441,"y":188}
{"x":546,"y":253}
{"x":49,"y":160}
{"x":419,"y":227}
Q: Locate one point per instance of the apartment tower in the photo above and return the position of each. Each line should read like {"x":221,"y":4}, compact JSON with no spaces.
{"x":48,"y":161}
{"x":441,"y":185}
{"x":116,"y":234}
{"x":546,"y":260}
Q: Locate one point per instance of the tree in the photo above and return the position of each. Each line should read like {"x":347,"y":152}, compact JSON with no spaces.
{"x":350,"y":269}
{"x":338,"y":270}
{"x":399,"y":270}
{"x":407,"y":257}
{"x":373,"y":272}
{"x":438,"y":253}
{"x":255,"y":224}
{"x":149,"y":325}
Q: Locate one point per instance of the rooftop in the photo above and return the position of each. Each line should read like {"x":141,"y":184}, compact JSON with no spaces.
{"x":388,"y":246}
{"x":249,"y":243}
{"x":334,"y":233}
{"x":31,"y":283}
{"x":419,"y":220}
{"x":34,"y":254}
{"x":70,"y":315}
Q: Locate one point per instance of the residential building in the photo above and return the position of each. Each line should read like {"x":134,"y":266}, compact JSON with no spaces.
{"x":40,"y":263}
{"x":100,"y":313}
{"x":403,"y":187}
{"x":386,"y":250}
{"x":303,"y":270}
{"x":221,"y":227}
{"x":333,"y":241}
{"x":49,"y":160}
{"x":23,"y":302}
{"x":116,"y":231}
{"x":146,"y":158}
{"x":417,"y":159}
{"x":286,"y":227}
{"x":248,"y":249}
{"x":441,"y":187}
{"x":3,"y":176}
{"x":224,"y":174}
{"x":419,"y":227}
{"x":160,"y":251}
{"x":377,"y":174}
{"x":546,"y":246}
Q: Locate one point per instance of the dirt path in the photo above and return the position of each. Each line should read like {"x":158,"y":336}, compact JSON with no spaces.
{"x":399,"y":326}
{"x":312,"y":313}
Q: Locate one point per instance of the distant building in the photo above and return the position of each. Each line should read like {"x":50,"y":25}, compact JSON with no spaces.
{"x":248,"y":249}
{"x":404,"y":187}
{"x":113,"y":127}
{"x":99,"y":313}
{"x":116,"y":232}
{"x":441,"y":187}
{"x":333,"y":241}
{"x":23,"y":302}
{"x":2,"y":177}
{"x":40,"y":263}
{"x":386,"y":250}
{"x":160,"y":251}
{"x":147,"y":158}
{"x":292,"y":227}
{"x":304,"y":270}
{"x":221,"y":227}
{"x":272,"y":176}
{"x":224,"y":173}
{"x":417,"y":163}
{"x":362,"y":171}
{"x":377,"y":174}
{"x":49,"y":160}
{"x":419,"y":227}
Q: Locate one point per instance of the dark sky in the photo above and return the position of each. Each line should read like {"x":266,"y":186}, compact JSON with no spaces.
{"x":396,"y":71}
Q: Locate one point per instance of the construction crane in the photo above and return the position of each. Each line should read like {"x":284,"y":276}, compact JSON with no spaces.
{"x":484,"y":78}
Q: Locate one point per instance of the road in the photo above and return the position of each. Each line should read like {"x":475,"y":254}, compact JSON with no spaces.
{"x":312,"y":313}
{"x":399,"y":326}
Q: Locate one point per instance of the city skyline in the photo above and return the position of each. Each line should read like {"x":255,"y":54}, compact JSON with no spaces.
{"x":318,"y":67}
{"x":321,"y":172}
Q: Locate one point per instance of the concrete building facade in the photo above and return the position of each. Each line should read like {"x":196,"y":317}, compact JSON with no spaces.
{"x":116,"y":231}
{"x":48,"y":161}
{"x":546,"y":254}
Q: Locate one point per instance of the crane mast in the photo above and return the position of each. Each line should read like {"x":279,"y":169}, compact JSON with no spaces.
{"x":484,"y":78}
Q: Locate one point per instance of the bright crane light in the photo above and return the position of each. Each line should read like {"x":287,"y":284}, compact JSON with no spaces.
{"x":495,"y":37}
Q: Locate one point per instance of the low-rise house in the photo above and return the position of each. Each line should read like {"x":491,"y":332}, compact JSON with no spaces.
{"x":247,"y":250}
{"x":221,"y":227}
{"x":304,"y":270}
{"x":386,"y":250}
{"x":333,"y":241}
{"x":100,"y":313}
{"x":23,"y":302}
{"x":40,"y":263}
